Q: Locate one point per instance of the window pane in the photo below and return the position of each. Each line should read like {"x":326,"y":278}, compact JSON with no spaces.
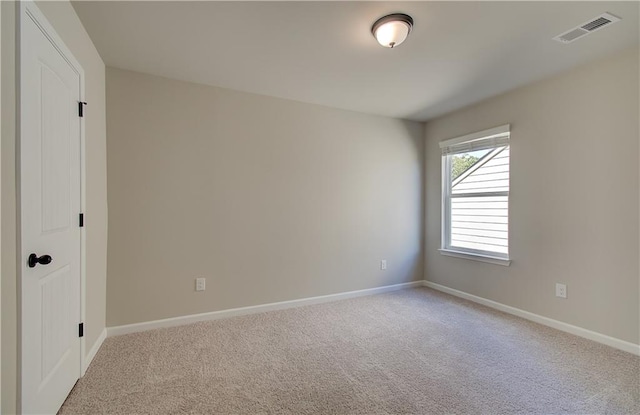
{"x":480,"y":171}
{"x":479,"y":219}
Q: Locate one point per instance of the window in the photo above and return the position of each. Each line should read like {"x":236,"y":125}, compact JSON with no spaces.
{"x":475,"y":196}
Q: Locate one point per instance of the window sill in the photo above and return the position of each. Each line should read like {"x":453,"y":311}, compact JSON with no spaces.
{"x":476,"y":257}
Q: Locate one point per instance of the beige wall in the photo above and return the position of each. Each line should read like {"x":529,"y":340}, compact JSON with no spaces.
{"x":63,"y":18}
{"x":573,"y":201}
{"x":0,"y":193}
{"x":268,"y":199}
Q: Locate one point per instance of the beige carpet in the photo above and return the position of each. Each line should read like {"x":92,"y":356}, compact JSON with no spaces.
{"x":415,"y":351}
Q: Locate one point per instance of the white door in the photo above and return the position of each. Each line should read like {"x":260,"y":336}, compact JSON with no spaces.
{"x":50,"y":207}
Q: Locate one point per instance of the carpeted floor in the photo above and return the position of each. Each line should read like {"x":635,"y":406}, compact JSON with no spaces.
{"x":415,"y":351}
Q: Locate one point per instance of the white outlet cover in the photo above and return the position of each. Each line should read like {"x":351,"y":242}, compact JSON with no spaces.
{"x":561,"y":290}
{"x":200,"y":284}
{"x":383,"y":264}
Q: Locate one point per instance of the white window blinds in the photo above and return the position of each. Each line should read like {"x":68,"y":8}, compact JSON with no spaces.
{"x":491,"y":138}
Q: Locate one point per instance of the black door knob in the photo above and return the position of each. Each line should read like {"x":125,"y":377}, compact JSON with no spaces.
{"x":35,"y":259}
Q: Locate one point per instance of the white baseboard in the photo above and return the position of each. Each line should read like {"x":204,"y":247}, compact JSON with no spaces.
{"x":92,"y":353}
{"x":559,"y":325}
{"x":233,"y":312}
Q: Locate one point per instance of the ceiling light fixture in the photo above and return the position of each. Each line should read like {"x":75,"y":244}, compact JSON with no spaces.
{"x":392,"y":30}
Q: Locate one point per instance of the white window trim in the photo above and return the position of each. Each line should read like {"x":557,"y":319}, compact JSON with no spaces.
{"x":490,"y":259}
{"x":484,"y":135}
{"x":467,"y":253}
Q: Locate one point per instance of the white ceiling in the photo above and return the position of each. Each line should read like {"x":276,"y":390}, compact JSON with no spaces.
{"x":323,"y":52}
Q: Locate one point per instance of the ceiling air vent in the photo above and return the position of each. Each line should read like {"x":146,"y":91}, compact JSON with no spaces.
{"x":586,"y":28}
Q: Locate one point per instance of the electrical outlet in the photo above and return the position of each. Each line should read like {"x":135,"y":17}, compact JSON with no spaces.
{"x":561,"y":290}
{"x":200,"y":284}
{"x":383,"y":264}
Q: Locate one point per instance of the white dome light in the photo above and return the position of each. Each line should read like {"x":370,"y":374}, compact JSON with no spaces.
{"x":392,"y":30}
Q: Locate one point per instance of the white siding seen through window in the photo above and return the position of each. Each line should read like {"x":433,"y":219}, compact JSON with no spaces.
{"x":478,"y":221}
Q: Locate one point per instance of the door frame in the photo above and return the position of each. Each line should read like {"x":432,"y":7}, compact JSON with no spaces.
{"x":29,"y":10}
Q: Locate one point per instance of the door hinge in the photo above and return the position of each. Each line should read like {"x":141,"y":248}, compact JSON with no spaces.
{"x":81,"y":105}
{"x":81,"y":220}
{"x":81,"y":330}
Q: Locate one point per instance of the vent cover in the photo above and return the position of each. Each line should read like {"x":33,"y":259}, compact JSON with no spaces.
{"x":586,"y":28}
